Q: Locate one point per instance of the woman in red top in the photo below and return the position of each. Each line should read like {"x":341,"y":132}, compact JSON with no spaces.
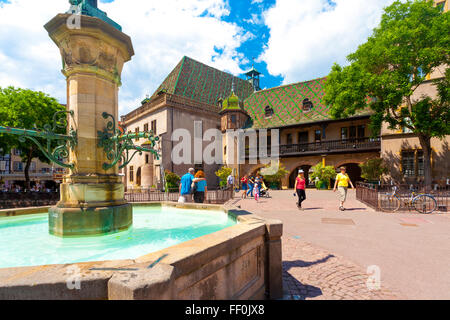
{"x":300,"y":186}
{"x":244,"y":182}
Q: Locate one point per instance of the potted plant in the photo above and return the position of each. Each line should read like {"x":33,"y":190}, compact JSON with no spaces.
{"x":322,"y":175}
{"x":274,"y":181}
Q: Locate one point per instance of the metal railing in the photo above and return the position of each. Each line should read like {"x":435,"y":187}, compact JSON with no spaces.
{"x":9,"y":200}
{"x":332,"y":145}
{"x":372,"y":195}
{"x":149,"y":195}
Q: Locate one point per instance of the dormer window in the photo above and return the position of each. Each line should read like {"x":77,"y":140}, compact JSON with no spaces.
{"x":268,"y":112}
{"x":307,"y":105}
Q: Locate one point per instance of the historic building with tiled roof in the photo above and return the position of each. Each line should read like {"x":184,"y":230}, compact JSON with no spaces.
{"x":197,"y":81}
{"x":196,"y":97}
{"x":293,"y":104}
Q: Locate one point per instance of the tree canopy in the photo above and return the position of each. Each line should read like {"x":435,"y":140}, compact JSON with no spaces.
{"x":385,"y":73}
{"x":26,"y":109}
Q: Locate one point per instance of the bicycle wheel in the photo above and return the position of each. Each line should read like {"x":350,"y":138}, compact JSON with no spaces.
{"x":388,"y":203}
{"x":425,"y":204}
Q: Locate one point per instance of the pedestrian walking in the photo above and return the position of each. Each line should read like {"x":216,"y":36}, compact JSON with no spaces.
{"x":300,"y":188}
{"x":200,"y":188}
{"x":230,"y":181}
{"x":244,"y":182}
{"x":251,"y":184}
{"x":342,"y":182}
{"x":256,"y":192}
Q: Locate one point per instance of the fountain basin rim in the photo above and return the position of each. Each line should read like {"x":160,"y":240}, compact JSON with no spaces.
{"x":184,"y":259}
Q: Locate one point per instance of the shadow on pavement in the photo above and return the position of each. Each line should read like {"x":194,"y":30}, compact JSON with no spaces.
{"x":295,"y":290}
{"x":287,"y":265}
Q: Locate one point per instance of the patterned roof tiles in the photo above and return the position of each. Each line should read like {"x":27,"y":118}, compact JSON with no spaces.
{"x":202,"y":83}
{"x":287,"y":103}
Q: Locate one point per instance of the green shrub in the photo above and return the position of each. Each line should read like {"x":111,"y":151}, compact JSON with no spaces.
{"x":223,"y":174}
{"x":172,"y":181}
{"x":274,"y":181}
{"x":323,"y":175}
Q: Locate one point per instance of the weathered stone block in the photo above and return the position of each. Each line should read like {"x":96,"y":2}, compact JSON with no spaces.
{"x":144,"y":284}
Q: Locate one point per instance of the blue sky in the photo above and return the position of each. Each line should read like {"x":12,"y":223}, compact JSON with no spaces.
{"x":290,"y":40}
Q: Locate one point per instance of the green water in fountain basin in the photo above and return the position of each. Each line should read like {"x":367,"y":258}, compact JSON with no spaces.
{"x":25,"y":241}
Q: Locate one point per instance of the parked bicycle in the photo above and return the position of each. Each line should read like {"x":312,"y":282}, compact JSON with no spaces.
{"x":422,"y":203}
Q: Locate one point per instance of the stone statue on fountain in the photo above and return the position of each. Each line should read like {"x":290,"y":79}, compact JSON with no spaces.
{"x":89,"y":8}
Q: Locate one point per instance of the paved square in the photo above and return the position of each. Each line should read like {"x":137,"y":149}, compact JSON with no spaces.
{"x":330,"y":260}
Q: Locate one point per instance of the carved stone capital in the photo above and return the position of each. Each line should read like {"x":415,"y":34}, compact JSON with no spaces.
{"x":94,"y":48}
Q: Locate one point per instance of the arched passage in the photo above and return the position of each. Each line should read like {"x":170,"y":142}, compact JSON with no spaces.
{"x":294,"y":175}
{"x":138,"y":177}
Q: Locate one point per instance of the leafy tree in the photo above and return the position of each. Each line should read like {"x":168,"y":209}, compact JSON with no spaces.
{"x":26,"y":109}
{"x":373,"y":169}
{"x":223,"y":174}
{"x":412,"y":40}
{"x":172,"y":181}
{"x":323,"y":174}
{"x":275,"y":179}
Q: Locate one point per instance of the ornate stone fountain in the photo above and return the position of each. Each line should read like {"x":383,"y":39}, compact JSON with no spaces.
{"x":93,"y":52}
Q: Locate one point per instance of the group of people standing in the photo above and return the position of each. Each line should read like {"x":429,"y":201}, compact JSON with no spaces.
{"x":193,"y":186}
{"x":253,"y":186}
{"x":341,"y":184}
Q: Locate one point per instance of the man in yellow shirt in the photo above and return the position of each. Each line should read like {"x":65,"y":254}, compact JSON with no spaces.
{"x":342,"y":182}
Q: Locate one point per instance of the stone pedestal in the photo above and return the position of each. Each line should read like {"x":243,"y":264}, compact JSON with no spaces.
{"x":92,"y":199}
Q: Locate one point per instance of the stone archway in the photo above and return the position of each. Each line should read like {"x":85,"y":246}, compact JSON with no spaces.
{"x":294,"y":174}
{"x":254,"y":170}
{"x":139,"y":177}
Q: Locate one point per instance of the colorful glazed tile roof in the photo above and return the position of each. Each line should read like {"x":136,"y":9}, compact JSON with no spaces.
{"x":287,"y":104}
{"x":202,"y":83}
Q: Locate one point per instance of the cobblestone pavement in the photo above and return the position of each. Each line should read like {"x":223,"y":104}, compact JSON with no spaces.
{"x":312,"y":273}
{"x":327,"y":252}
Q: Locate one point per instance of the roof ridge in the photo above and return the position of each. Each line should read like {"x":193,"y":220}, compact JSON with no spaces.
{"x":209,"y":66}
{"x":291,"y":84}
{"x":179,"y":72}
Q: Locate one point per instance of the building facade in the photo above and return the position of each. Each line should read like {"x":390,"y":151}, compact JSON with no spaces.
{"x":401,"y":149}
{"x":307,"y":135}
{"x":186,"y":104}
{"x":12,"y":172}
{"x":195,"y":98}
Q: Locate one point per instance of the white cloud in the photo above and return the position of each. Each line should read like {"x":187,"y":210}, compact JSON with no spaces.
{"x":255,"y":19}
{"x":308,"y":36}
{"x":161,"y":31}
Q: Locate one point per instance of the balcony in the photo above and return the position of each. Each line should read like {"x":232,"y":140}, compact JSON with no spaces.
{"x":324,"y":147}
{"x":332,"y":146}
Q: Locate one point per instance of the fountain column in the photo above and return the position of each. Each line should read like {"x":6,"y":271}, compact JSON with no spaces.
{"x":93,"y":55}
